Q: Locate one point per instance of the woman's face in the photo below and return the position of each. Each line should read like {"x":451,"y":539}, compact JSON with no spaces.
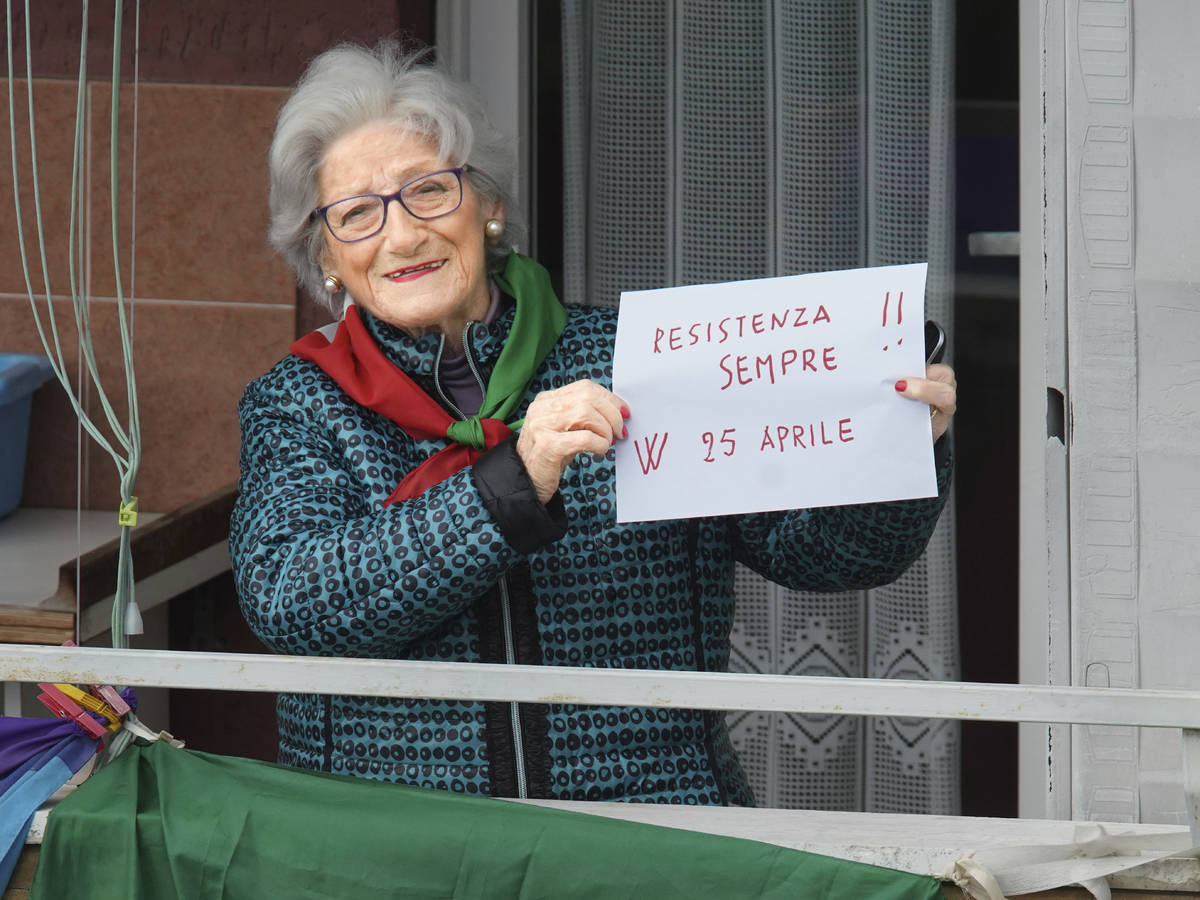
{"x":420,"y":275}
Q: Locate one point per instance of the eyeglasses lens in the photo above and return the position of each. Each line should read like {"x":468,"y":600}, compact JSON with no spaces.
{"x":355,"y":217}
{"x":433,"y":195}
{"x":428,"y":197}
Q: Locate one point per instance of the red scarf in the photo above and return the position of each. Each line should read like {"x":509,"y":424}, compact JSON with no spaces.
{"x":368,"y":377}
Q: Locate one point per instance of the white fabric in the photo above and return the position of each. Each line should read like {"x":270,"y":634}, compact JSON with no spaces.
{"x":990,"y":859}
{"x":717,"y":141}
{"x":996,"y":873}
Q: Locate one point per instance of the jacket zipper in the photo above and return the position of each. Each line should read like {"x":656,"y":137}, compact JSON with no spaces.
{"x":510,"y":647}
{"x":514,"y":711}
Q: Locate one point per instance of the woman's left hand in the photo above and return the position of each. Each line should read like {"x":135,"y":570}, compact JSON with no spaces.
{"x":939,"y":389}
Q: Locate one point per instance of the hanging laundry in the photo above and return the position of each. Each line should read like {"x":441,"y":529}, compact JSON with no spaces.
{"x":37,"y":757}
{"x":161,"y":823}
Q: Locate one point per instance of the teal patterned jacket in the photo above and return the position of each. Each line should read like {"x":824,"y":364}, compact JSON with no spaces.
{"x":475,"y":569}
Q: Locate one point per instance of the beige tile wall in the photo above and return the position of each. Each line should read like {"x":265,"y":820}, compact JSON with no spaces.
{"x":212,"y":305}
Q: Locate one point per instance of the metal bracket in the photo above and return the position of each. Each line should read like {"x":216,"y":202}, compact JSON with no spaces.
{"x":12,"y":698}
{"x":994,"y":243}
{"x":1191,"y":780}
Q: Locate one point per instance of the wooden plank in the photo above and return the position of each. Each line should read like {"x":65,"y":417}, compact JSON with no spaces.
{"x":158,"y":588}
{"x":45,"y":636}
{"x":167,"y":540}
{"x":157,"y":547}
{"x":25,"y":617}
{"x":22,"y":876}
{"x":22,"y":625}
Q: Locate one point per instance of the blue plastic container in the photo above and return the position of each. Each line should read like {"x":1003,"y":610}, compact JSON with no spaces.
{"x":20,"y":376}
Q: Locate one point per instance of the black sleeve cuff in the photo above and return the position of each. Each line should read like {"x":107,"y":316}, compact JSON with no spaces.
{"x":943,"y":461}
{"x":510,"y":497}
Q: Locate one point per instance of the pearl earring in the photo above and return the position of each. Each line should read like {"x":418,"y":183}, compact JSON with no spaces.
{"x":494,"y":228}
{"x":333,"y":284}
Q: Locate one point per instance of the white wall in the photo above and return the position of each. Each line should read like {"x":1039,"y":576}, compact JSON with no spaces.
{"x":487,"y":43}
{"x":1111,"y":317}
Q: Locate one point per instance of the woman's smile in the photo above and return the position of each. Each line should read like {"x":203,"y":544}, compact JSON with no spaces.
{"x":421,"y":275}
{"x":412,"y":273}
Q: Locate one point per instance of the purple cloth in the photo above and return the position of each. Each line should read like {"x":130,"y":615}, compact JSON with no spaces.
{"x":40,"y":755}
{"x":23,"y":739}
{"x":71,"y":750}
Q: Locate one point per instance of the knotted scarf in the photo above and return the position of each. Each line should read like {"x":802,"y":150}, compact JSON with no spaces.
{"x":368,"y":377}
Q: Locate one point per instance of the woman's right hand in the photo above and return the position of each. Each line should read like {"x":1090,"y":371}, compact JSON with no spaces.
{"x":581,"y":417}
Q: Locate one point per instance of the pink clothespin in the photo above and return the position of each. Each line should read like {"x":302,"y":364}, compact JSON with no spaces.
{"x":106,"y":692}
{"x":109,"y":695}
{"x":66,"y":708}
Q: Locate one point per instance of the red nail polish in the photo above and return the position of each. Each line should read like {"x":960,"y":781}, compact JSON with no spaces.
{"x":624,"y":413}
{"x":901,"y":386}
{"x":624,"y":432}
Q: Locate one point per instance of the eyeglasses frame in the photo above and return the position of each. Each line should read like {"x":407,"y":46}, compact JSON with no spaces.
{"x":322,"y":212}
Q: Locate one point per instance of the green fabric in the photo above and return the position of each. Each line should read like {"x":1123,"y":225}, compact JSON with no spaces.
{"x":160,"y":823}
{"x":539,"y":321}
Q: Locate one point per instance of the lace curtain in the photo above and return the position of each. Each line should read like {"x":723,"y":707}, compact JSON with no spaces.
{"x":715,"y":141}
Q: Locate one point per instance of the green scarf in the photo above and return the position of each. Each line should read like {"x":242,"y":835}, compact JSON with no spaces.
{"x":539,"y":320}
{"x":361,"y":369}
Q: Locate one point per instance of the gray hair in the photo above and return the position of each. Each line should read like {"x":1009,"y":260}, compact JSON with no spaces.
{"x":350,"y":86}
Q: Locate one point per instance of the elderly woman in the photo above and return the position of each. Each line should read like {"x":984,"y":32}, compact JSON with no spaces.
{"x":391,"y":505}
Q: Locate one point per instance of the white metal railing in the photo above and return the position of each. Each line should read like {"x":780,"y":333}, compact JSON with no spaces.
{"x":601,"y":687}
{"x":623,"y":687}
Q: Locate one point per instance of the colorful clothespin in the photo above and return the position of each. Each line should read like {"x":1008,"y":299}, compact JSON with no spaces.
{"x":106,"y":692}
{"x":66,"y":708}
{"x":92,"y":704}
{"x":109,"y":695}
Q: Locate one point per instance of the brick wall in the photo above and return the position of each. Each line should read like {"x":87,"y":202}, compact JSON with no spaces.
{"x":213,"y":306}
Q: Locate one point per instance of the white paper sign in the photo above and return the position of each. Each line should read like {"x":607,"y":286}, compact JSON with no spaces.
{"x":777,"y":393}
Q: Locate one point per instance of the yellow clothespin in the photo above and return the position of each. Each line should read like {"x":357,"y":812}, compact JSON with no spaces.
{"x":127,"y":514}
{"x":94,"y":704}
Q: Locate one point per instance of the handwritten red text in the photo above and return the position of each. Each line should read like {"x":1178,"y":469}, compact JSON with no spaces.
{"x":806,"y":437}
{"x":680,"y":337}
{"x":651,"y":461}
{"x":748,"y":369}
{"x":727,"y":441}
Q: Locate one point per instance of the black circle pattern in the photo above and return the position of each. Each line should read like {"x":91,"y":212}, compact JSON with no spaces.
{"x":324,"y":569}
